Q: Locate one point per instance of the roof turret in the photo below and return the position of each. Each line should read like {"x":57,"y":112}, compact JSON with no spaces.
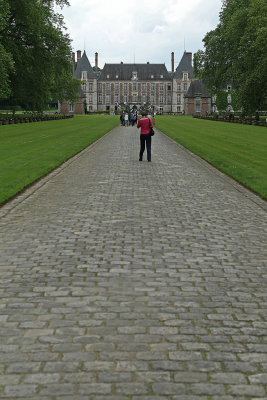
{"x":83,"y":64}
{"x":185,"y":65}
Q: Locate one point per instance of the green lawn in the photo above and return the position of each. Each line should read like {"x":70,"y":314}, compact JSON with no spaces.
{"x":238,"y":150}
{"x":29,"y":151}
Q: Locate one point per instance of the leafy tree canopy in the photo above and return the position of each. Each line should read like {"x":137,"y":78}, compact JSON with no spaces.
{"x":34,"y":35}
{"x":236,"y":52}
{"x":6,"y":61}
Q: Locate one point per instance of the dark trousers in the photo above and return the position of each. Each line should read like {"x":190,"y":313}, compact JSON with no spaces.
{"x":145,"y":142}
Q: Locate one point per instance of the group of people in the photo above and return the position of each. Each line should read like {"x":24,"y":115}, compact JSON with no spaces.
{"x":128,"y":119}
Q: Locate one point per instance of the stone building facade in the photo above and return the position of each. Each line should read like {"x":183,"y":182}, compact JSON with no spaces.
{"x":137,"y":86}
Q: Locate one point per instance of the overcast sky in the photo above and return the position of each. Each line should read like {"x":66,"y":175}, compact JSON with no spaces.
{"x":139,"y":30}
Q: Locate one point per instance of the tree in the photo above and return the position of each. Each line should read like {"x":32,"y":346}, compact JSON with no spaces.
{"x":34,"y":35}
{"x":236,"y":52}
{"x":6,"y":61}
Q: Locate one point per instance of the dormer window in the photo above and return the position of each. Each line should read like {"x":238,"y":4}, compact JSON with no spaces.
{"x":107,"y":76}
{"x":134,"y":75}
{"x":84,"y":75}
{"x":185,"y":76}
{"x":161,"y":76}
{"x":152,"y":76}
{"x":117,"y":76}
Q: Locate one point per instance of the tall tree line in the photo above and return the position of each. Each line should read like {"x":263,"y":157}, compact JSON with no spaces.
{"x":35,"y":54}
{"x":236,"y":53}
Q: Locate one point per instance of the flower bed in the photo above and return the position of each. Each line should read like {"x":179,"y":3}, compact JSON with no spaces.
{"x":233,"y":120}
{"x":34,"y":118}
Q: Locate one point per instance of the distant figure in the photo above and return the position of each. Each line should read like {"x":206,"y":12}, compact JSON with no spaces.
{"x":145,"y":139}
{"x":122,"y":119}
{"x":126,"y":119}
{"x":132,"y":119}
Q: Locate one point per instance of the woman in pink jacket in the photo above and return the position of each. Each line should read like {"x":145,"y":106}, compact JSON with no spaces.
{"x":145,"y":139}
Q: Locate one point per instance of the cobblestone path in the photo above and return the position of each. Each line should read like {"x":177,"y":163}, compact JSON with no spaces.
{"x":128,"y":280}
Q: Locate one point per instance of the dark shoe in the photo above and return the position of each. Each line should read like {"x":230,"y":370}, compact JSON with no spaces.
{"x":149,"y":160}
{"x":140,"y":159}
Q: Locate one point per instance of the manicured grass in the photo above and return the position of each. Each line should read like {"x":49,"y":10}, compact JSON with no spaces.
{"x":29,"y":151}
{"x":238,"y":150}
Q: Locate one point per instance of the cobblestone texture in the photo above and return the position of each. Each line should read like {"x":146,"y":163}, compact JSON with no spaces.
{"x":128,"y":280}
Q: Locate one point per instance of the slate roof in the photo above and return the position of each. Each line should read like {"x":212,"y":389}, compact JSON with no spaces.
{"x":84,"y":65}
{"x":184,"y":66}
{"x":196,"y":88}
{"x":145,"y":72}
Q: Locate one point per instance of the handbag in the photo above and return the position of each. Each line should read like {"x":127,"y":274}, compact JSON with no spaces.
{"x":152,"y":133}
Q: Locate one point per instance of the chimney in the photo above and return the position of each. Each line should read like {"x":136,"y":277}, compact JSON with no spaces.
{"x":96,"y":61}
{"x":73,"y":62}
{"x":172,"y":62}
{"x":79,"y":55}
{"x":189,"y":55}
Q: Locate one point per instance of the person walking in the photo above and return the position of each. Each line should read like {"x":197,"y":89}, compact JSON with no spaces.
{"x":126,"y":119}
{"x":145,"y":138}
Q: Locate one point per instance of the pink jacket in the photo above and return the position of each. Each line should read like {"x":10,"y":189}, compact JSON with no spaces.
{"x":144,"y":124}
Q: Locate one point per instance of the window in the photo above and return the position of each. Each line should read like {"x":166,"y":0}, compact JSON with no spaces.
{"x":169,"y":99}
{"x":100,"y":98}
{"x":161,"y":99}
{"x":134,"y":87}
{"x":116,"y":87}
{"x":100,"y":86}
{"x":90,"y":108}
{"x":107,"y":76}
{"x":143,"y":87}
{"x":198,"y":106}
{"x":152,"y":76}
{"x":161,"y":86}
{"x":90,"y":98}
{"x":161,"y":76}
{"x":90,"y":86}
{"x":185,"y":76}
{"x":125,"y":86}
{"x":108,"y":87}
{"x":134,"y":75}
{"x":152,"y":86}
{"x":178,"y":98}
{"x":84,"y":75}
{"x":178,"y":86}
{"x":117,"y":76}
{"x":178,"y":108}
{"x":229,"y":87}
{"x":152,"y":99}
{"x":169,"y":87}
{"x":144,"y":98}
{"x":116,"y":98}
{"x":107,"y":98}
{"x":125,"y":98}
{"x":70,"y":107}
{"x":185,"y":86}
{"x":84,"y":87}
{"x":135,"y":98}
